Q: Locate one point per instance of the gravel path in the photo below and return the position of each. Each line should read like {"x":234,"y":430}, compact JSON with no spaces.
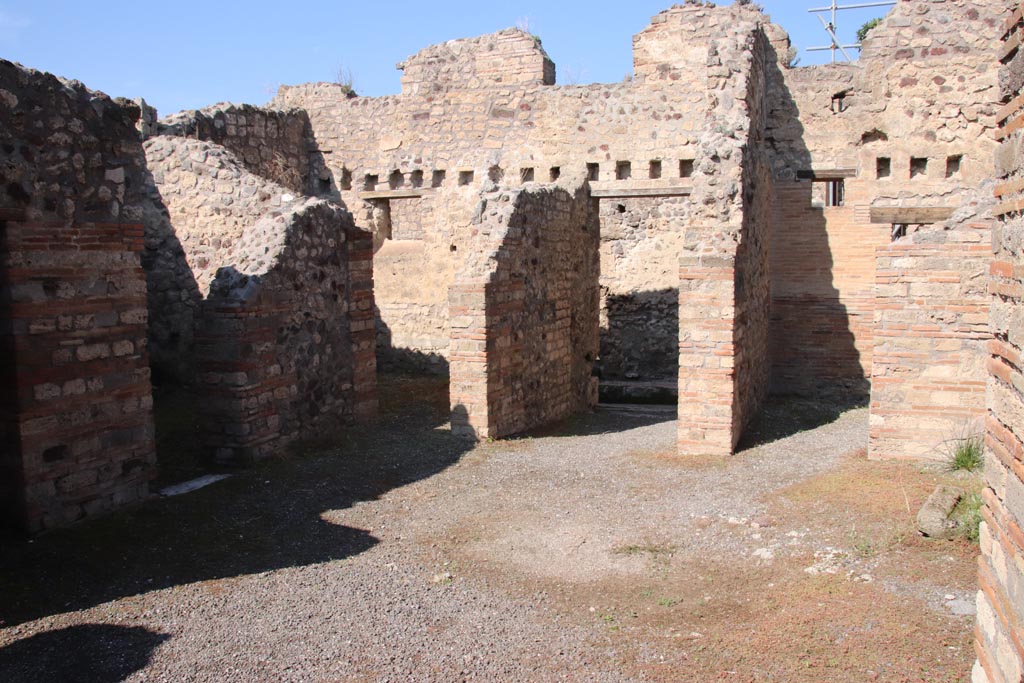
{"x":403,"y":555}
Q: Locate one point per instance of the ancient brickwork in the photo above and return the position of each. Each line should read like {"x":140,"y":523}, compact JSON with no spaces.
{"x":524,"y":312}
{"x":511,"y":57}
{"x":264,"y":297}
{"x":640,"y":242}
{"x":269,"y":143}
{"x":931,"y":334}
{"x":76,"y":411}
{"x":285,"y":341}
{"x":723,"y":305}
{"x":629,"y":138}
{"x":1000,"y":631}
{"x":201,"y":201}
{"x":904,"y":131}
{"x":822,"y":294}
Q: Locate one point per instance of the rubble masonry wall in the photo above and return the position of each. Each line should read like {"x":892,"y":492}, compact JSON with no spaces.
{"x":262,"y":296}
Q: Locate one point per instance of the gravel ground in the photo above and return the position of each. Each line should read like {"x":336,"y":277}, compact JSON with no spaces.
{"x":402,"y":554}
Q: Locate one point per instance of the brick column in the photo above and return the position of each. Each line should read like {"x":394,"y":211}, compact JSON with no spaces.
{"x":706,"y":355}
{"x":77,"y":409}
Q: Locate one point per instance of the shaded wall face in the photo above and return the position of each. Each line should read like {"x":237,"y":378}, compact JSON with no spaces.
{"x":907,"y":128}
{"x":823,"y":279}
{"x":286,"y":352}
{"x":77,"y":405}
{"x":640,"y":242}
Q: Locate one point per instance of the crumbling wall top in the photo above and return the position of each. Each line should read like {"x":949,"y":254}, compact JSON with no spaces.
{"x":69,"y":152}
{"x":509,"y":57}
{"x":674,"y":45}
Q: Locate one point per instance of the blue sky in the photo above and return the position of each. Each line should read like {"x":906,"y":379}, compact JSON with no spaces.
{"x":184,"y":56}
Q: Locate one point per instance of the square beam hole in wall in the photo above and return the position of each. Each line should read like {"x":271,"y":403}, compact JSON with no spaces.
{"x":918,"y":167}
{"x":465,"y":178}
{"x":345,"y":183}
{"x":883,"y":167}
{"x":526,"y":175}
{"x":686,"y":168}
{"x":495,"y":174}
{"x":953,"y":163}
{"x":593,"y":171}
{"x":654,"y":169}
{"x":370,"y":182}
{"x":555,"y":173}
{"x":437,"y":178}
{"x":416,"y":178}
{"x":396,"y":180}
{"x":623,"y":170}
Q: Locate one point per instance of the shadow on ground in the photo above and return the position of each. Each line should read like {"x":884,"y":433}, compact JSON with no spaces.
{"x":267,"y":517}
{"x":784,"y":416}
{"x":90,"y":653}
{"x":605,"y":419}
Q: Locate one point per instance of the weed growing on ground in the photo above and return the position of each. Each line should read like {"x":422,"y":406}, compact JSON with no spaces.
{"x":968,"y":516}
{"x":965,"y":452}
{"x":968,"y":454}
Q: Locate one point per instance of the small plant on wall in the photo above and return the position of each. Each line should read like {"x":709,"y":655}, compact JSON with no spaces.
{"x":863,"y":31}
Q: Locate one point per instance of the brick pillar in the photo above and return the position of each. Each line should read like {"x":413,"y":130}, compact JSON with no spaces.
{"x":77,"y":404}
{"x":362,"y":325}
{"x":706,"y":355}
{"x":241,"y":379}
{"x":467,"y":359}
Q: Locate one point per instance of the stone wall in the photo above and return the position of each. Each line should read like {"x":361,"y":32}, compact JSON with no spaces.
{"x":76,"y":410}
{"x":285,"y":341}
{"x":907,"y":130}
{"x":270,"y":143}
{"x":1000,"y":636}
{"x":262,"y":296}
{"x":200,"y":201}
{"x":511,"y":58}
{"x":931,"y":336}
{"x":641,"y":238}
{"x":524,"y":312}
{"x":631,"y":139}
{"x":723,"y":288}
